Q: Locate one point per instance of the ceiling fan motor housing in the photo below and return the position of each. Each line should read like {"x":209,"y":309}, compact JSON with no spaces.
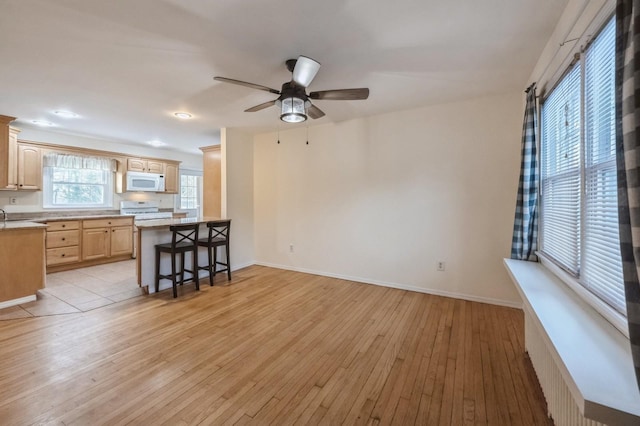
{"x":292,"y":90}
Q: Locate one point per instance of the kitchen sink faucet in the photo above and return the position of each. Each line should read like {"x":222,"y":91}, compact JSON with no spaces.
{"x":4,"y":216}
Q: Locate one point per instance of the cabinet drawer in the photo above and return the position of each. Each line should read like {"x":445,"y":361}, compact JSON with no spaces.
{"x":56,"y":256}
{"x":62,"y":238}
{"x":105,"y":223}
{"x":64,"y":225}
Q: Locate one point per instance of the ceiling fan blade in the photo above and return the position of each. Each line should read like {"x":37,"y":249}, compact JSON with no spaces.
{"x":261,"y":106}
{"x":341,"y":94}
{"x":305,"y":70}
{"x":246,"y":84}
{"x":315,"y":112}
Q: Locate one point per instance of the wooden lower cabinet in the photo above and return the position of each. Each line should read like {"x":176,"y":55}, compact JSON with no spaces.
{"x":121,"y":241}
{"x":103,"y":238}
{"x":63,"y":242}
{"x":75,"y":244}
{"x":95,"y":243}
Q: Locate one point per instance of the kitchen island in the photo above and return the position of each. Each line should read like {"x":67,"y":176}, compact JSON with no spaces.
{"x":152,"y":232}
{"x":22,"y":254}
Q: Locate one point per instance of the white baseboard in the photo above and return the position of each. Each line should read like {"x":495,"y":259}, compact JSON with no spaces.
{"x":244,"y":265}
{"x":435,"y":292}
{"x":14,"y":302}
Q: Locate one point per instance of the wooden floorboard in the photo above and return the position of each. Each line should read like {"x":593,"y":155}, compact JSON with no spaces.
{"x":272,"y":347}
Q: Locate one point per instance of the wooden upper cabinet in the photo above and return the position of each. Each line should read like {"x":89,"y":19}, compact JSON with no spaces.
{"x":155,"y":166}
{"x":145,"y":165}
{"x":171,"y":178}
{"x":13,"y":158}
{"x":29,"y":167}
{"x":136,"y":165}
{"x":8,"y":154}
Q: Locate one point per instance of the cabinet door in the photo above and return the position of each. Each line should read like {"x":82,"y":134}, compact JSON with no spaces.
{"x":29,"y":167}
{"x":12,"y":161}
{"x":121,"y":240}
{"x":171,"y":178}
{"x":95,"y":243}
{"x":155,"y":166}
{"x":136,"y":165}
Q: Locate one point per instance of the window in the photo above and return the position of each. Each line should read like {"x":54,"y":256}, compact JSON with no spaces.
{"x":75,"y":181}
{"x":579,"y":217}
{"x":190,"y":183}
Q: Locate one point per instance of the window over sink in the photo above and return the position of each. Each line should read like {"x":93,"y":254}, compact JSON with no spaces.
{"x":77,"y":181}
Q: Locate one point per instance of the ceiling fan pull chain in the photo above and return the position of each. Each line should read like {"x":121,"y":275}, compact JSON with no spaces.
{"x":307,"y":135}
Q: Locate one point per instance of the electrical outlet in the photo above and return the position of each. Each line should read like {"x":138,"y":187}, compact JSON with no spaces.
{"x":290,"y":248}
{"x":13,"y":200}
{"x":440,"y":265}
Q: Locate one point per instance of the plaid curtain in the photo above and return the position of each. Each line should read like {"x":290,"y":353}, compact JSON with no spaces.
{"x":525,"y":226}
{"x":628,"y":161}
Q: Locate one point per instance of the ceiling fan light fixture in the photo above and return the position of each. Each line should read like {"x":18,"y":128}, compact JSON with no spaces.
{"x":292,"y":110}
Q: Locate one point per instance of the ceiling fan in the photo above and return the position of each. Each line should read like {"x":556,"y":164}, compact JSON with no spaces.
{"x":293,"y":101}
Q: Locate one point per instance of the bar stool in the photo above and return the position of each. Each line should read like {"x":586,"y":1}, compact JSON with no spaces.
{"x":218,"y":237}
{"x":184,"y":239}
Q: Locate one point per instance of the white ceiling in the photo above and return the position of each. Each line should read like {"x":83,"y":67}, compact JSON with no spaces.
{"x":127,"y":65}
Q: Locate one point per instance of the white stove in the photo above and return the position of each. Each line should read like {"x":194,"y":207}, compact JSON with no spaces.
{"x":143,"y":210}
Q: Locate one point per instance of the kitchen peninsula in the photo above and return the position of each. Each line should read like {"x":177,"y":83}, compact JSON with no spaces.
{"x":152,"y":232}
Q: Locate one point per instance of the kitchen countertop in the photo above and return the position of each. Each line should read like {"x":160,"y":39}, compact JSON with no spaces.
{"x":87,"y":217}
{"x":12,"y":226}
{"x":41,"y":222}
{"x":162,"y":223}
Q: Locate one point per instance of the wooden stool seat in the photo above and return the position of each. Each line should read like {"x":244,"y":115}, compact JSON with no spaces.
{"x":218,"y":237}
{"x":184,"y":239}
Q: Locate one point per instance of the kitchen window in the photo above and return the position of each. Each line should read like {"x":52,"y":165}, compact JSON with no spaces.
{"x":190,"y":195}
{"x":77,"y":181}
{"x":579,"y":217}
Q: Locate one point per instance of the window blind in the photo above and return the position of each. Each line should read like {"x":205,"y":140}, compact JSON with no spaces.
{"x":560,"y":173}
{"x":601,"y":263}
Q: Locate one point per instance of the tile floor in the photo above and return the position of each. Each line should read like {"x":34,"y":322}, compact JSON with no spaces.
{"x":80,"y":290}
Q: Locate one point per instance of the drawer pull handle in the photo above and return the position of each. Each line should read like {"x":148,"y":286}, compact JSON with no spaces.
{"x":62,"y":254}
{"x":63,"y":239}
{"x":64,"y":226}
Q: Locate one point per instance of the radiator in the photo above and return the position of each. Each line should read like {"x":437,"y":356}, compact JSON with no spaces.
{"x":561,"y":406}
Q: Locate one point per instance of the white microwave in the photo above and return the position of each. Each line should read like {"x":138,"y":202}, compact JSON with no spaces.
{"x":150,"y":182}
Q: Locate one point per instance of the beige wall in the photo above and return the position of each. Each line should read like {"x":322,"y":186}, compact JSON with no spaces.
{"x":382,"y":199}
{"x":237,"y":193}
{"x":580,"y":20}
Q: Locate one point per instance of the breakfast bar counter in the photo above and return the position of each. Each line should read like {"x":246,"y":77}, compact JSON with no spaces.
{"x":152,"y":232}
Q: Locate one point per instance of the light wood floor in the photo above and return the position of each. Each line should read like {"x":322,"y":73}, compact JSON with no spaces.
{"x":273,"y":347}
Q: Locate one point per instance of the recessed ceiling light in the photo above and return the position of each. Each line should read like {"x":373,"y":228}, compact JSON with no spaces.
{"x":42,"y":123}
{"x":183,"y":115}
{"x":156,"y":143}
{"x":65,"y":114}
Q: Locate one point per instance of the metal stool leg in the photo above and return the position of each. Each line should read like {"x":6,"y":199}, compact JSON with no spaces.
{"x":158,"y":254}
{"x":174,"y":274}
{"x":228,"y":261}
{"x":194,"y":269}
